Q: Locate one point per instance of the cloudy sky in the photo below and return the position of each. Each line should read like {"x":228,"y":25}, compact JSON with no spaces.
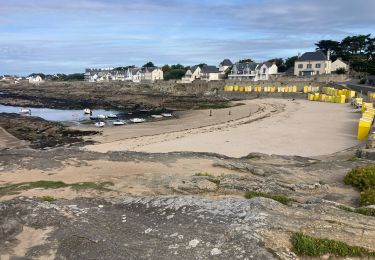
{"x":66,"y":36}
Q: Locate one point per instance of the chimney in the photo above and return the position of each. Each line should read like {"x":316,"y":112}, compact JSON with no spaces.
{"x":329,"y":54}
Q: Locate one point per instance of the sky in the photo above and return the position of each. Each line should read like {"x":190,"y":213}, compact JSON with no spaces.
{"x":67,"y":36}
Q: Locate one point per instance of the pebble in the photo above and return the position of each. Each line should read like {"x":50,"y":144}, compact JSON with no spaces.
{"x":193,"y":243}
{"x":215,"y":251}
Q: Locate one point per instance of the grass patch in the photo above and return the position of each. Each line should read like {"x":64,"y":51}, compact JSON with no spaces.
{"x":280,"y":198}
{"x":363,"y":178}
{"x":216,"y":181}
{"x":305,"y":245}
{"x":363,"y":211}
{"x":47,"y":198}
{"x":203,"y":174}
{"x":16,"y":188}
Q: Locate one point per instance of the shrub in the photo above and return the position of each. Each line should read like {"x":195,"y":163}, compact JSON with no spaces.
{"x":363,"y":178}
{"x":280,"y":198}
{"x":47,"y":198}
{"x":362,"y":211}
{"x":305,"y":245}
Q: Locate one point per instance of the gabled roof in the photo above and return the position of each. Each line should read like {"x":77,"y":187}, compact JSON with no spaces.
{"x":313,"y":56}
{"x":248,"y":65}
{"x":268,"y":64}
{"x":193,"y":68}
{"x":209,"y":69}
{"x":226,"y":62}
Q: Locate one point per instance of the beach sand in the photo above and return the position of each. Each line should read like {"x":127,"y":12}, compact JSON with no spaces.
{"x":271,"y":126}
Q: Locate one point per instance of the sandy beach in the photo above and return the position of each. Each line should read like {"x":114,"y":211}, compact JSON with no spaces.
{"x":273,"y":126}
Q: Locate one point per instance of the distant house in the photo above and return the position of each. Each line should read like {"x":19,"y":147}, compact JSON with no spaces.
{"x":8,"y":78}
{"x":210,"y":73}
{"x":312,"y":63}
{"x":152,"y":74}
{"x":338,"y":64}
{"x":193,"y":73}
{"x":252,"y":71}
{"x":225,"y":64}
{"x":136,"y":75}
{"x":264,"y":70}
{"x":99,"y":74}
{"x":35,"y":79}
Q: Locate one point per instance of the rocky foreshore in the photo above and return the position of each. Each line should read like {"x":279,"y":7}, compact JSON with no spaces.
{"x":41,"y":133}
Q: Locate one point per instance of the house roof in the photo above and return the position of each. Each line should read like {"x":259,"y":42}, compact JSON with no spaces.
{"x":193,"y":68}
{"x":248,"y":65}
{"x":209,"y":69}
{"x":313,"y":56}
{"x":268,"y":64}
{"x":226,"y":62}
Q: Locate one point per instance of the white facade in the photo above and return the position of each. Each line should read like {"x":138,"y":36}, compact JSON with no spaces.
{"x":337,"y":64}
{"x":191,"y":74}
{"x":35,"y":80}
{"x":152,"y":74}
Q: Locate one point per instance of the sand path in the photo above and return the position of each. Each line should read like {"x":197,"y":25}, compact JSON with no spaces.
{"x":9,"y":141}
{"x":276,"y":127}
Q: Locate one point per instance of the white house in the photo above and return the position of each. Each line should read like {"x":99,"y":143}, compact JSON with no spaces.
{"x":339,"y":63}
{"x":312,"y":63}
{"x":224,"y":65}
{"x":210,"y":73}
{"x":192,"y":74}
{"x":264,"y":70}
{"x":252,"y":71}
{"x":136,"y":75}
{"x":35,"y":79}
{"x":152,"y":74}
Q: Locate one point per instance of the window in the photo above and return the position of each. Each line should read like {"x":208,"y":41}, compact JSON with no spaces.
{"x":264,"y":70}
{"x":317,"y":72}
{"x":309,"y":66}
{"x":300,"y":66}
{"x":317,"y":65}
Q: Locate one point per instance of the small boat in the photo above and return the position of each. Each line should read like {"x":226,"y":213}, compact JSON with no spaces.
{"x":111,"y":116}
{"x":101,"y":117}
{"x":87,"y":111}
{"x":99,"y":124}
{"x":156,"y":116}
{"x":118,"y":123}
{"x":167,"y":115}
{"x":137,"y":120}
{"x":93,"y":117}
{"x":25,"y":111}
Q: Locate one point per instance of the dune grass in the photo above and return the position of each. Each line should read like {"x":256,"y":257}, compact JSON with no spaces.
{"x":305,"y":245}
{"x":280,"y":198}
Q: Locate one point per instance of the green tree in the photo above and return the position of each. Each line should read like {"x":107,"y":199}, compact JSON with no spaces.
{"x":245,"y":61}
{"x":328,"y":45}
{"x":148,"y":64}
{"x":289,"y":62}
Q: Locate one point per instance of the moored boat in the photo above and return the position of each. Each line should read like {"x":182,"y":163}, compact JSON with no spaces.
{"x":111,"y":116}
{"x":101,"y":117}
{"x":25,"y":111}
{"x":156,"y":116}
{"x":167,"y":115}
{"x":99,"y":124}
{"x":87,"y":111}
{"x":137,"y":120}
{"x":118,"y":123}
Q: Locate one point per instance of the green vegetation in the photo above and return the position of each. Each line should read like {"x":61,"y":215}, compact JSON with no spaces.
{"x":340,"y":71}
{"x":280,"y":198}
{"x":203,"y":174}
{"x":356,"y":49}
{"x":174,"y":71}
{"x":305,"y":245}
{"x":47,"y":198}
{"x":148,"y":65}
{"x":363,"y":178}
{"x":216,"y":181}
{"x":16,"y":188}
{"x":363,"y":211}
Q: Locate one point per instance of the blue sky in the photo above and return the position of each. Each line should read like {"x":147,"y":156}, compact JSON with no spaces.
{"x":66,"y":36}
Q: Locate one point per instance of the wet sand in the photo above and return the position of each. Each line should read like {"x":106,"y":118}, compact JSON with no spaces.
{"x":275,"y":126}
